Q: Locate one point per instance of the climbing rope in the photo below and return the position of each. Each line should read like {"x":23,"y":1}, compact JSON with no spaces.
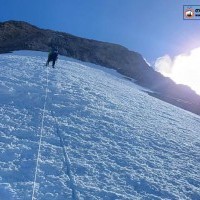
{"x":41,"y":135}
{"x":66,"y":158}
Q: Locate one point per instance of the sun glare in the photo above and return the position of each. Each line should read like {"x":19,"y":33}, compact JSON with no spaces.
{"x":183,"y":69}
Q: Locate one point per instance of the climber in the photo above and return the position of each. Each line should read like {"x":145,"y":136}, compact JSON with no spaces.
{"x":53,"y":56}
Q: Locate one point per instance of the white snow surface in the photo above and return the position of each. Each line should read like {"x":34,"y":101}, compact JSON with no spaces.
{"x":82,"y":132}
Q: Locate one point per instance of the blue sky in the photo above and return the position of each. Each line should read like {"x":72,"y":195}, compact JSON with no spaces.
{"x":151,"y":27}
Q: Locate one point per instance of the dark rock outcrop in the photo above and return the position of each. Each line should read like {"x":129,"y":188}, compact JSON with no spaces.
{"x":16,"y":35}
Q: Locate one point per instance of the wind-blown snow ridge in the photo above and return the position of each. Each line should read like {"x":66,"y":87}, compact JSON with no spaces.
{"x":103,"y":138}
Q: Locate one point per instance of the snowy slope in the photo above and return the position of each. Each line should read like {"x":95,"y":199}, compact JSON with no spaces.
{"x":98,"y":135}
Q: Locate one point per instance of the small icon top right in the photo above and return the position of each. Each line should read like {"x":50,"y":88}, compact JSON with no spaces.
{"x":191,"y":12}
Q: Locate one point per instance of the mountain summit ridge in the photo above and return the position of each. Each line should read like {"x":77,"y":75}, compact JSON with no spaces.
{"x":19,"y":35}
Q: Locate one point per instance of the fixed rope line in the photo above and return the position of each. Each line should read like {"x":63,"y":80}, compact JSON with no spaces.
{"x":41,"y":135}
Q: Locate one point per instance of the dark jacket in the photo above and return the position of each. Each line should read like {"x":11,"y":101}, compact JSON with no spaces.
{"x":53,"y":55}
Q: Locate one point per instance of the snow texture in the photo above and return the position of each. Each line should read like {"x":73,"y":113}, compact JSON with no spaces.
{"x":83,"y":132}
